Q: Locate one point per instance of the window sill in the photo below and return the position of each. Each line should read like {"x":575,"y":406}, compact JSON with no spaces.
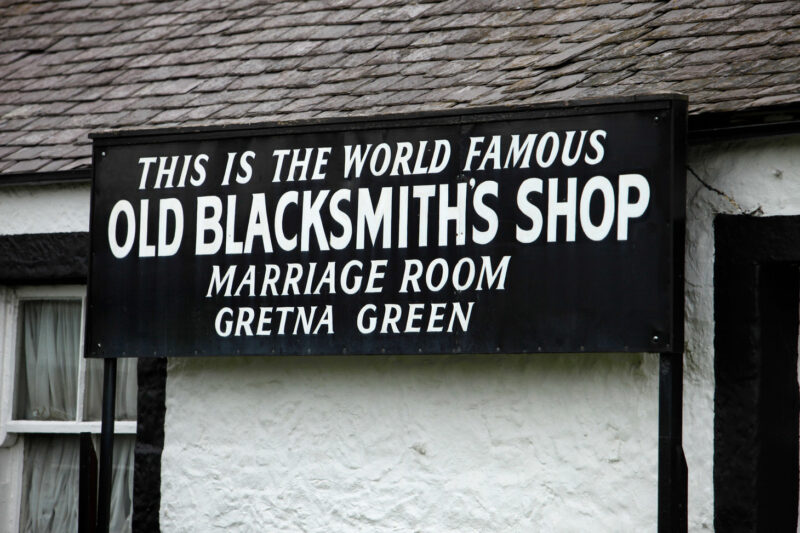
{"x":36,"y":426}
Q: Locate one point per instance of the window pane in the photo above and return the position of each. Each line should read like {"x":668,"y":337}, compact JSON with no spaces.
{"x":121,"y":484}
{"x":51,"y":477}
{"x":47,"y":371}
{"x":50,"y":484}
{"x":125,"y":403}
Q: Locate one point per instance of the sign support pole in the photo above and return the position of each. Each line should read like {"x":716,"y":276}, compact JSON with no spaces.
{"x":672,"y":470}
{"x":106,"y":444}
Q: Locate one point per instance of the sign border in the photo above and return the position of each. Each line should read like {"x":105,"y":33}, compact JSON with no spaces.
{"x":675,"y":104}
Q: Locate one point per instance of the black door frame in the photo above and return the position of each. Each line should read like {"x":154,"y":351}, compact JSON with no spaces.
{"x":756,"y":297}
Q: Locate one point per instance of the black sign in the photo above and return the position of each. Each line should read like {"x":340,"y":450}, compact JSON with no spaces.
{"x":544,"y":229}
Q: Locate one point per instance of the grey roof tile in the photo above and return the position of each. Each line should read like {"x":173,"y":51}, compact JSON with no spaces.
{"x":53,"y":166}
{"x":233,"y":110}
{"x":169,"y":115}
{"x":266,"y":108}
{"x":76,"y":163}
{"x":168,"y":87}
{"x":760,"y":23}
{"x":776,"y":8}
{"x":791,"y":22}
{"x":202,"y":112}
{"x":27,"y":165}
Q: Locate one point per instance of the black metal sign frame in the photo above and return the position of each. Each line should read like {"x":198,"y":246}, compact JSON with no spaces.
{"x":512,"y":230}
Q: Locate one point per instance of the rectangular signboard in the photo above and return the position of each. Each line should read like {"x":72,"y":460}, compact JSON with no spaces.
{"x":553,"y":228}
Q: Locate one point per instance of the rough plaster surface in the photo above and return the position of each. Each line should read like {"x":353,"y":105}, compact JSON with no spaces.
{"x":537,"y":443}
{"x":44,"y":209}
{"x":450,"y":444}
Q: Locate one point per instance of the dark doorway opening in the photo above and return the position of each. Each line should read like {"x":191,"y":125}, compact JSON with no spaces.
{"x":756,"y":402}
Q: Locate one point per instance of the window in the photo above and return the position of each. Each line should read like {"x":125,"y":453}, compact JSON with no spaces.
{"x":52,"y":395}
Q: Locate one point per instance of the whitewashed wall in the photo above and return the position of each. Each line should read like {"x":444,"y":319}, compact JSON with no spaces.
{"x":44,"y":209}
{"x":459,"y":444}
{"x":470,"y":443}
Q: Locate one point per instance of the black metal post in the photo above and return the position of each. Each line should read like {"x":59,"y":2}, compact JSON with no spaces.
{"x":106,"y":445}
{"x":672,"y":471}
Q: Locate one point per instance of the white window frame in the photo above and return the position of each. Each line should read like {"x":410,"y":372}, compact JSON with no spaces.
{"x":10,"y":299}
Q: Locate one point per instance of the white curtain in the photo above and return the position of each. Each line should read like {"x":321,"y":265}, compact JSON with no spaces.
{"x":121,"y":482}
{"x":47,"y":385}
{"x":51,"y":480}
{"x":50,"y":484}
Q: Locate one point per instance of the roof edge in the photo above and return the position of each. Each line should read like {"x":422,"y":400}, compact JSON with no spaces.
{"x":45,"y":178}
{"x":764,"y":121}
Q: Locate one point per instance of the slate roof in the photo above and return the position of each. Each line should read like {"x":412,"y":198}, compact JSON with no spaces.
{"x":69,"y":67}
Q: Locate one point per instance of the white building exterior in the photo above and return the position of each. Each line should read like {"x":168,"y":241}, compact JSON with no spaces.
{"x":428,"y":443}
{"x":437,"y":443}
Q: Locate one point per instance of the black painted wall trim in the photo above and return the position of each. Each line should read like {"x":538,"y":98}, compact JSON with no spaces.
{"x":744,"y":123}
{"x":44,"y":258}
{"x":83,"y":175}
{"x":152,"y":374}
{"x":756,"y":401}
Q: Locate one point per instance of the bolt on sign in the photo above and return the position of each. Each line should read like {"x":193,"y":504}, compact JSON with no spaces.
{"x":553,"y":228}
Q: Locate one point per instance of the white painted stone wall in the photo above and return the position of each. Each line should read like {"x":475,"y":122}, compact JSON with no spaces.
{"x":56,"y":208}
{"x":467,"y":443}
{"x":450,"y":444}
